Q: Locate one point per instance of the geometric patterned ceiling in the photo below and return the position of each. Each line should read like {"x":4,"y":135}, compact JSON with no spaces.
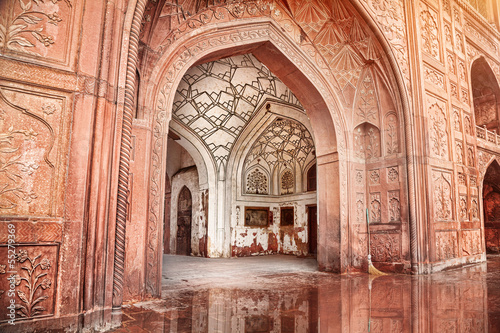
{"x":216,"y":100}
{"x":285,"y":143}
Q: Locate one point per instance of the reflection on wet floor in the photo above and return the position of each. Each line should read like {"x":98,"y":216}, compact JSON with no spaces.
{"x":461,"y":300}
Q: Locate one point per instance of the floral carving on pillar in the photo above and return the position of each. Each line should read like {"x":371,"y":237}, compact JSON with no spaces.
{"x":438,"y":132}
{"x":467,"y":125}
{"x":372,"y":143}
{"x":463,"y":208}
{"x":391,"y":134}
{"x":470,"y":156}
{"x":456,"y":121}
{"x":429,"y":30}
{"x":375,"y":207}
{"x":394,"y":206}
{"x":367,"y":104}
{"x":442,"y":196}
{"x":459,"y":152}
{"x":474,"y":209}
{"x":360,"y":208}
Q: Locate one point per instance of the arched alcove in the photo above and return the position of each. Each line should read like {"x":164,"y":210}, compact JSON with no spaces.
{"x":491,"y":207}
{"x":486,"y":95}
{"x":184,"y":221}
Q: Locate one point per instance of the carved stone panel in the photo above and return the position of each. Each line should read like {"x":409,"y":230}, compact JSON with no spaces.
{"x":446,"y":245}
{"x":359,"y":178}
{"x":257,"y":182}
{"x":394,"y":206}
{"x":393,"y":174}
{"x":442,"y":200}
{"x":33,"y":137}
{"x":360,"y":208}
{"x":386,"y":247}
{"x":456,"y":120}
{"x":391,"y":134}
{"x":375,"y":208}
{"x":470,"y":156}
{"x":38,"y":29}
{"x":459,"y":151}
{"x":287,"y":182}
{"x":366,"y":141}
{"x":438,"y":131}
{"x":464,"y":216}
{"x":375,"y":177}
{"x":29,"y":278}
{"x":471,"y":242}
{"x":474,"y":209}
{"x":429,"y":32}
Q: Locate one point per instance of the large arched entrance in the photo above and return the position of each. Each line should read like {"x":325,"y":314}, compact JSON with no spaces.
{"x":320,"y":115}
{"x":349,"y":93}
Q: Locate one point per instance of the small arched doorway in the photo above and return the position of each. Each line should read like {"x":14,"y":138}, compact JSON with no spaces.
{"x":491,"y":208}
{"x":184,"y":217}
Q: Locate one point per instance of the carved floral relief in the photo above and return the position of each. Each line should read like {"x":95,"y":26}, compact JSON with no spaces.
{"x":34,"y":275}
{"x":442,"y":200}
{"x":375,"y":208}
{"x":429,"y":30}
{"x":394,"y":206}
{"x":391,"y":134}
{"x":385,"y":247}
{"x":471,"y":242}
{"x":34,"y":27}
{"x":28,"y":152}
{"x":438,"y":131}
{"x":446,"y":245}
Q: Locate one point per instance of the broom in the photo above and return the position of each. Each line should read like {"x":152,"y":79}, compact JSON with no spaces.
{"x":371,"y":269}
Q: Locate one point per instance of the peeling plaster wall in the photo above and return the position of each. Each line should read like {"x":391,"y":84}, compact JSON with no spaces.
{"x":273,"y":239}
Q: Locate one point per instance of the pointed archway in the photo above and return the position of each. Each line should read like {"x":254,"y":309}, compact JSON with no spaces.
{"x":491,"y":207}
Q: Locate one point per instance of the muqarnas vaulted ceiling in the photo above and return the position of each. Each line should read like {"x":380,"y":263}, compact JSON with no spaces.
{"x":216,"y":100}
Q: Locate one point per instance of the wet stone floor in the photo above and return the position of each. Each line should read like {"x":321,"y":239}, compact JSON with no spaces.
{"x":287,"y":294}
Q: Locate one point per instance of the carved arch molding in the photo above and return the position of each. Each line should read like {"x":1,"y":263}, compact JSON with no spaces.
{"x":308,"y":61}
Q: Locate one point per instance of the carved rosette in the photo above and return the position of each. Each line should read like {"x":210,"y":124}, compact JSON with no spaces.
{"x":375,"y":177}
